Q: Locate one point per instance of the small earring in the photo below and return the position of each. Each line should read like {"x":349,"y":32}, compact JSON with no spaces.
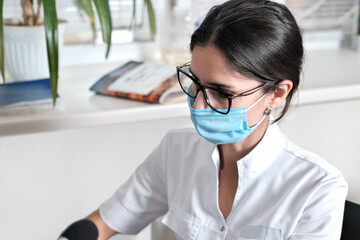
{"x":268,"y":111}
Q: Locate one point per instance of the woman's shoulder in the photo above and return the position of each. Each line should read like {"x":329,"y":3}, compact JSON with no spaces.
{"x":310,"y":160}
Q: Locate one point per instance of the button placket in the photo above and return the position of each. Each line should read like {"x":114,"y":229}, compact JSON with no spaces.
{"x":223,"y":231}
{"x":239,"y":189}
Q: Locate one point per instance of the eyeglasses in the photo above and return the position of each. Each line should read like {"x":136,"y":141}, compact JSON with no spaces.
{"x":218,"y":100}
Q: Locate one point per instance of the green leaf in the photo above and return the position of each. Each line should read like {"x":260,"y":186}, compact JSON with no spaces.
{"x":51,"y":33}
{"x":133,"y":18}
{"x":2,"y":65}
{"x":151,"y":16}
{"x":103,"y":10}
{"x":87,"y":6}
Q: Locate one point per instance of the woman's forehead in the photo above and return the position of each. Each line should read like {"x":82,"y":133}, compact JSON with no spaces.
{"x":210,"y":66}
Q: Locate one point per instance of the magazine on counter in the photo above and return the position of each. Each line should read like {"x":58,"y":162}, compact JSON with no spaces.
{"x":142,"y":81}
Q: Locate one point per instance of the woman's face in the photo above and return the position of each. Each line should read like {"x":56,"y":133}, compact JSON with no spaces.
{"x":210,"y":66}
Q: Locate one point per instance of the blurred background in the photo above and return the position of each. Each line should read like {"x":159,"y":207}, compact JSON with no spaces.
{"x":59,"y":164}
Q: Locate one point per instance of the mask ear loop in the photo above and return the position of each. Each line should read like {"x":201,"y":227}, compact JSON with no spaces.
{"x":266,"y":113}
{"x":257,"y":101}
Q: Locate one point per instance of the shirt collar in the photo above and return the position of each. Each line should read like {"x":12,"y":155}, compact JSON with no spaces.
{"x":261,"y":157}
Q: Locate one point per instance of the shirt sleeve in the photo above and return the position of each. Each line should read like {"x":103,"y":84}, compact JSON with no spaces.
{"x":142,"y":198}
{"x":323,"y":215}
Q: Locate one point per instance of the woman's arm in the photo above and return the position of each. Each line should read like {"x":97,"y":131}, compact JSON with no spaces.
{"x":104,"y":231}
{"x":90,"y":228}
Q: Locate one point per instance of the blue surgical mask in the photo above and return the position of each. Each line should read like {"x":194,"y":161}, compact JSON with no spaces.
{"x":222,"y":129}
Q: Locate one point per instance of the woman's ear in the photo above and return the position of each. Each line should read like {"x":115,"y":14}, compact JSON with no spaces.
{"x":279,"y":95}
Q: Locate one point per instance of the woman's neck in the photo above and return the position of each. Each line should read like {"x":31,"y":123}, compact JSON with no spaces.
{"x":236,"y":151}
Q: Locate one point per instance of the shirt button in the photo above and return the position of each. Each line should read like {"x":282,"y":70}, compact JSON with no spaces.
{"x":222,"y":228}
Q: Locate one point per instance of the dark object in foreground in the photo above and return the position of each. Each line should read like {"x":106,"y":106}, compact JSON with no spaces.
{"x":80,"y":230}
{"x":351,"y":223}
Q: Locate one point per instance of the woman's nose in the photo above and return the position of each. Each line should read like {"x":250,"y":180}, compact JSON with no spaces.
{"x":199,"y":102}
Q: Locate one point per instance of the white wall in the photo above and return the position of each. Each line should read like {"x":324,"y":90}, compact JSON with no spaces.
{"x":48,"y":180}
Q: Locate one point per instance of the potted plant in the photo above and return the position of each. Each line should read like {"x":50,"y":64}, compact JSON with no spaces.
{"x":31,"y":17}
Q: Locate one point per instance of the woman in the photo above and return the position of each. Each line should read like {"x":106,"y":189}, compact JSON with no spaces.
{"x":229,"y":180}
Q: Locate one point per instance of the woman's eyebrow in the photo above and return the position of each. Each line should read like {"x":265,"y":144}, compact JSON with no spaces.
{"x":217,"y":85}
{"x":221,"y":86}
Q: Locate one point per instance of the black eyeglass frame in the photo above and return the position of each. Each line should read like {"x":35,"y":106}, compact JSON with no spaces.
{"x":199,"y":87}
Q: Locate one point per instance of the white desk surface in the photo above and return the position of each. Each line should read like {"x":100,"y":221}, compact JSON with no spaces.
{"x":79,"y":107}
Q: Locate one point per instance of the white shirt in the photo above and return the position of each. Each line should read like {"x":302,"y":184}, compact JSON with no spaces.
{"x":284,"y":192}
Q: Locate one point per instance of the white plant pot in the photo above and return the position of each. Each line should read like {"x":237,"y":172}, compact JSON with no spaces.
{"x":26,"y":53}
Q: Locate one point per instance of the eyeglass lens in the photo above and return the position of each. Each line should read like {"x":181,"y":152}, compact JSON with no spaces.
{"x":215,"y":99}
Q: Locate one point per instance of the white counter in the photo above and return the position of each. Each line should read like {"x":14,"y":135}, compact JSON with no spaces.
{"x":330,"y":75}
{"x":79,"y":107}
